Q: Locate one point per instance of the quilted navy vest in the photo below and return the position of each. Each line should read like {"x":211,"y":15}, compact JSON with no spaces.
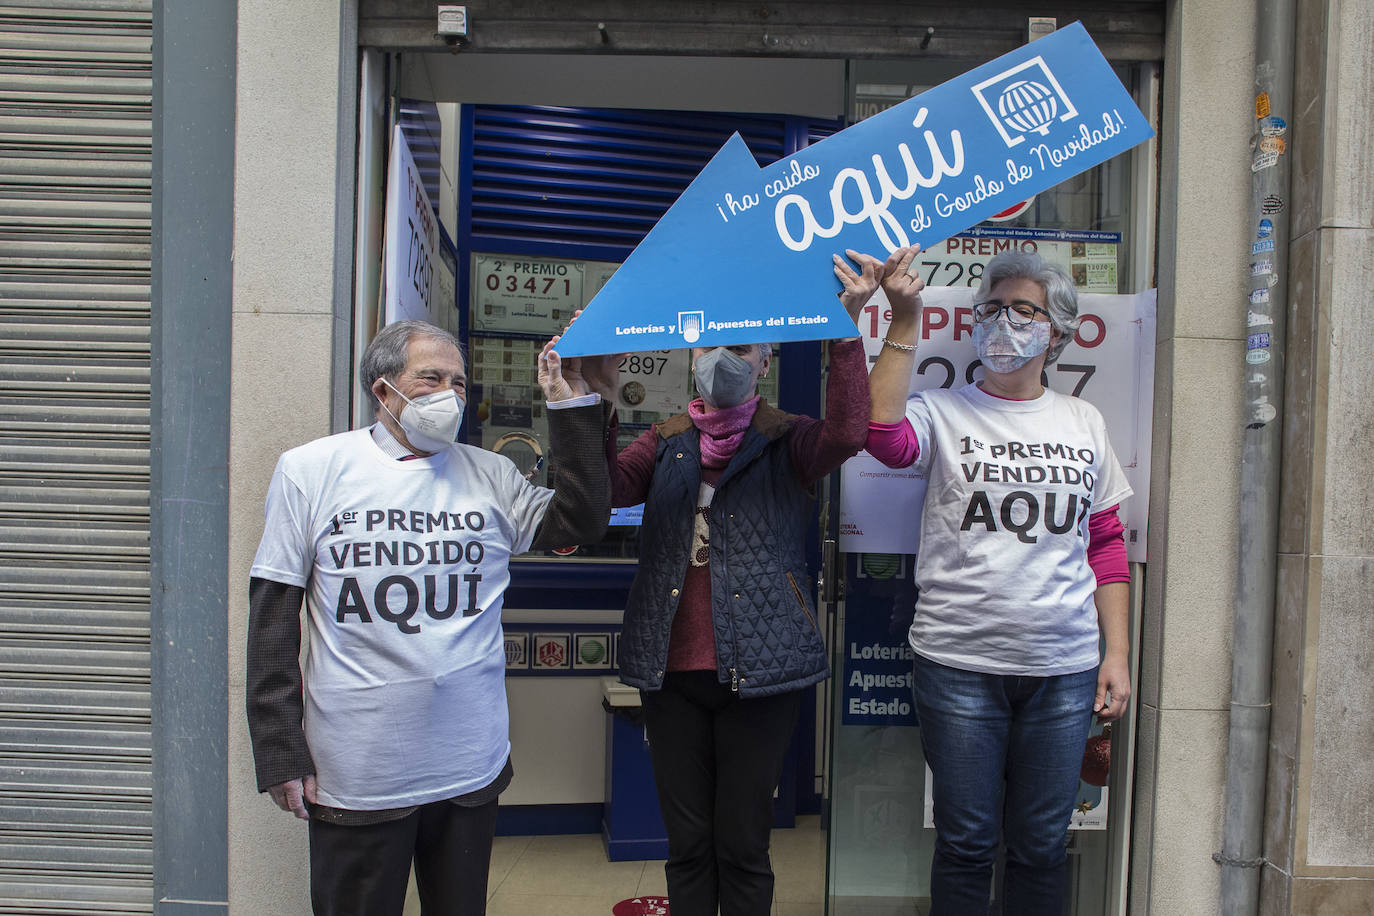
{"x":766,"y":630}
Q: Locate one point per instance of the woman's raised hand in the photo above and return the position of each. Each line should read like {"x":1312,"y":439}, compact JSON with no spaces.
{"x":860,"y":285}
{"x":903,"y":289}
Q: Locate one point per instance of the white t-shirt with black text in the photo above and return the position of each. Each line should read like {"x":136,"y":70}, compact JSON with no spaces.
{"x":405,"y":564}
{"x":1005,"y":585}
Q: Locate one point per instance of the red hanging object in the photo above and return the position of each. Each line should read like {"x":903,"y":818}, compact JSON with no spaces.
{"x":1097,"y":758}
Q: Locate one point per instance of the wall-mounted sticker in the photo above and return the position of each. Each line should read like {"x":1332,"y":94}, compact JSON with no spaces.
{"x":1271,"y":204}
{"x":1257,"y":340}
{"x":1259,"y":296}
{"x":517,"y":650}
{"x":592,"y":650}
{"x":1262,"y":105}
{"x":1257,"y":357}
{"x":1261,"y":268}
{"x":1257,"y":319}
{"x":1273,"y":126}
{"x":1272,"y":145}
{"x":1263,"y":246}
{"x":1262,"y":413}
{"x":551,"y":651}
{"x":1266,"y":229}
{"x":1264,"y":160}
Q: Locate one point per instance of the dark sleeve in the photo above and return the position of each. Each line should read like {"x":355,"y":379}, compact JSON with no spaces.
{"x":820,"y":446}
{"x":581,"y":504}
{"x":276,"y":706}
{"x":633,"y":469}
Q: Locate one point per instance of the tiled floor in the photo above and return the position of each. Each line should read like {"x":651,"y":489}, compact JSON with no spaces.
{"x":569,"y":875}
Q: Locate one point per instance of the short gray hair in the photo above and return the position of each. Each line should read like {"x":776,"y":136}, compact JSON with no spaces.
{"x":389,"y":351}
{"x":1061,"y":298}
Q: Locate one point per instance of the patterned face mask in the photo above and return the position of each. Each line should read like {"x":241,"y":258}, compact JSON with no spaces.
{"x":1003,"y":348}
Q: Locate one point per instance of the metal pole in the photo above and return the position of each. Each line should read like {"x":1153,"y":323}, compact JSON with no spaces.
{"x":1241,"y":856}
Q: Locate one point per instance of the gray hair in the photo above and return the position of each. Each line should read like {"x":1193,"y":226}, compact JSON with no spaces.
{"x":1061,"y":298}
{"x":389,"y":351}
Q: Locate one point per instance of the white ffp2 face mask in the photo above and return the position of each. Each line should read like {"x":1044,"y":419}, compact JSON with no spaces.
{"x":1003,"y":348}
{"x":430,"y":422}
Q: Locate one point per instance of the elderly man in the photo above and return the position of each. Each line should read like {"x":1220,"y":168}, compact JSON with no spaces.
{"x":394,"y":745}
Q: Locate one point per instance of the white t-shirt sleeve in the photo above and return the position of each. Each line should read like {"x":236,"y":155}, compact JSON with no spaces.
{"x":527,"y":503}
{"x":1112,"y":486}
{"x":286,"y":552}
{"x":918,"y":415}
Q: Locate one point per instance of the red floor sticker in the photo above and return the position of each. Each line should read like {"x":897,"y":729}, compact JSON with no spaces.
{"x":641,"y":906}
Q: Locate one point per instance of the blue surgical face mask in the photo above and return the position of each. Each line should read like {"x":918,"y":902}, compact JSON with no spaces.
{"x":430,"y":422}
{"x":723,"y":378}
{"x":1003,"y":348}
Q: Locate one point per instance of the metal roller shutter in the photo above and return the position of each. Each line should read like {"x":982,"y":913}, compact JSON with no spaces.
{"x":553,"y":178}
{"x":75,"y":770}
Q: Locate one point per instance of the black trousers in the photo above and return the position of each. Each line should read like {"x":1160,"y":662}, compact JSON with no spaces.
{"x":717,"y":759}
{"x":364,"y":870}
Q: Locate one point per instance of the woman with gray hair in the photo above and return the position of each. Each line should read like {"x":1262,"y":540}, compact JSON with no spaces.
{"x":1021,"y":576}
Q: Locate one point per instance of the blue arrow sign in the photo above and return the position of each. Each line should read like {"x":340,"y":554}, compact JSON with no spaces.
{"x":744,"y":255}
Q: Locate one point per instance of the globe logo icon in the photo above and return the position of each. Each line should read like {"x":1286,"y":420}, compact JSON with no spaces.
{"x":591,"y":651}
{"x":1026,"y":105}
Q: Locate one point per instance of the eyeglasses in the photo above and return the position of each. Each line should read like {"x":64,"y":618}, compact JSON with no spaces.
{"x":1019,"y":313}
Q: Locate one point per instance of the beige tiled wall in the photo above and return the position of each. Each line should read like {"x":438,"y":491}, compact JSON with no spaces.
{"x":292,"y":265}
{"x":1194,"y":500}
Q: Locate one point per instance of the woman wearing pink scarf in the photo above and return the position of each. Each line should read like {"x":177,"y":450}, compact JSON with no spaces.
{"x":720,"y":632}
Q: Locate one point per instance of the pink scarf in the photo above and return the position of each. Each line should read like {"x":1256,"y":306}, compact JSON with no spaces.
{"x":722,"y":430}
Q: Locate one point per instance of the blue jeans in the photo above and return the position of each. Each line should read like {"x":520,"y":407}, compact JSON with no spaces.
{"x":1005,"y":752}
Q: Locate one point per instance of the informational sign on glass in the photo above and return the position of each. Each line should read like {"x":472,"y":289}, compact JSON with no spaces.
{"x":518,"y":294}
{"x":1089,"y":257}
{"x":655,"y":382}
{"x":412,"y":240}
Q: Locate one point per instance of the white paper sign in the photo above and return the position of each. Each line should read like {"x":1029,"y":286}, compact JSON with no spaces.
{"x":519,"y":294}
{"x":1089,"y":257}
{"x":412,"y":240}
{"x":1110,"y":363}
{"x":656,"y":381}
